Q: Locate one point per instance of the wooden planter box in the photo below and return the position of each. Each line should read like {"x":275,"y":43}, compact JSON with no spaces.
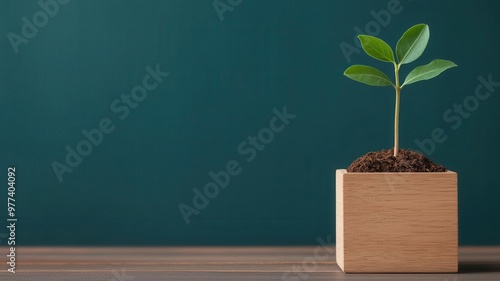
{"x":396,"y":222}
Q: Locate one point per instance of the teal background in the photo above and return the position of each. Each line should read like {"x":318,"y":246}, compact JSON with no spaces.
{"x":226,"y":77}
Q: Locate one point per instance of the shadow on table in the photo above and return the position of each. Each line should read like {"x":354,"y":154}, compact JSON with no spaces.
{"x":478,"y":267}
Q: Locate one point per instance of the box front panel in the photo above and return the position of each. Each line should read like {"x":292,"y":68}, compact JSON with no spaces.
{"x":400,"y":222}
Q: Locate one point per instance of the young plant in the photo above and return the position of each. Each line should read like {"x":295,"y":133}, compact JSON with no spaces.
{"x":409,"y":48}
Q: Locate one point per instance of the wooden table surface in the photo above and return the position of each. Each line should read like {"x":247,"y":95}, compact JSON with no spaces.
{"x":218,"y":263}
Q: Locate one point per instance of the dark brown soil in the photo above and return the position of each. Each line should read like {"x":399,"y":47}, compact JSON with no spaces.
{"x":384,"y":161}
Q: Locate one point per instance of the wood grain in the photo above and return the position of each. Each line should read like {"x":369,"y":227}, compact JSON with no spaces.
{"x":397,"y":222}
{"x":218,"y":263}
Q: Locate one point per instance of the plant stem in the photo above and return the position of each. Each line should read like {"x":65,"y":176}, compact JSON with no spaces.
{"x":396,"y":111}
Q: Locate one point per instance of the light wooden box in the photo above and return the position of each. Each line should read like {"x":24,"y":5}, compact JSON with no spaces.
{"x":396,"y":222}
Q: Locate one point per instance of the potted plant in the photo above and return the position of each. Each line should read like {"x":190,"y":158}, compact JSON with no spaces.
{"x":396,"y":211}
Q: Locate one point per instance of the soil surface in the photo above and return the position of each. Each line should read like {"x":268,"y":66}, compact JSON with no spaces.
{"x":384,"y":161}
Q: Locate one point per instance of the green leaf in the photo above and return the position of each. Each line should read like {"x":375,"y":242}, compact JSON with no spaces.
{"x":428,"y":71}
{"x":368,"y":75}
{"x":412,"y":44}
{"x":376,"y":48}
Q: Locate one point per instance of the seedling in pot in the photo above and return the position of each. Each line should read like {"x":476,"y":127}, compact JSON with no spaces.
{"x":409,"y":48}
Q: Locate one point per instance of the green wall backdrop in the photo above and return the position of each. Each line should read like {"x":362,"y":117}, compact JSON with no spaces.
{"x":227,"y":80}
